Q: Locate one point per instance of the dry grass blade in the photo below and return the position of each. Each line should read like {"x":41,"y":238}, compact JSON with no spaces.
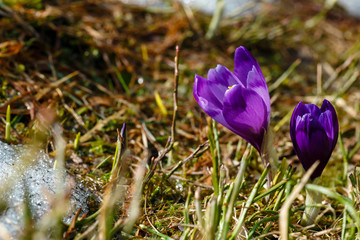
{"x":134,"y":209}
{"x":99,"y":125}
{"x":284,"y":211}
{"x":116,"y":189}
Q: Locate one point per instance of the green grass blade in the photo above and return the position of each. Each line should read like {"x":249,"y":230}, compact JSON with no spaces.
{"x":214,"y":157}
{"x":121,"y":80}
{"x":273,"y":189}
{"x":347,"y":202}
{"x":284,"y":211}
{"x":8,"y":124}
{"x":162,"y":236}
{"x":225,"y":223}
{"x":250,"y":201}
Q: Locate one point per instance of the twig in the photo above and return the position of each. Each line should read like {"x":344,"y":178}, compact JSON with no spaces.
{"x":201,"y":148}
{"x":170,"y":141}
{"x":76,"y":116}
{"x":176,"y":81}
{"x":326,"y":231}
{"x":72,"y":224}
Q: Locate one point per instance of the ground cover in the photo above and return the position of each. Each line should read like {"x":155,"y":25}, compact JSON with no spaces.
{"x":90,"y":66}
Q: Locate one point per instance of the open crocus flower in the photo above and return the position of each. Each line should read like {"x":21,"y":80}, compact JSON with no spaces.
{"x":238,"y":100}
{"x":314,"y":133}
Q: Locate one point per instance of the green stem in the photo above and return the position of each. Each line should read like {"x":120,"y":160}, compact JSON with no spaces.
{"x":264,"y":220}
{"x":311,"y":210}
{"x":187,"y":217}
{"x":217,"y":143}
{"x":162,"y":236}
{"x":248,"y":203}
{"x":213,"y":139}
{"x":8,"y":124}
{"x":343,"y":230}
{"x":345,"y":158}
{"x":198,"y":209}
{"x":275,"y":188}
{"x":232,"y":194}
{"x":269,"y":155}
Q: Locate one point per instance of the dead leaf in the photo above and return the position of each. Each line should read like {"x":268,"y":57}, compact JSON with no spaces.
{"x":10,"y":48}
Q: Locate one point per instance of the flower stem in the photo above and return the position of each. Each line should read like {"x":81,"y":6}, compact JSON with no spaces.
{"x":265,"y":162}
{"x":311,"y":210}
{"x":269,"y":155}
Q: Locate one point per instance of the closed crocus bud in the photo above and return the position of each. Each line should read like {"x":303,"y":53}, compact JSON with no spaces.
{"x":238,"y":100}
{"x":123,"y":138}
{"x":314,"y":133}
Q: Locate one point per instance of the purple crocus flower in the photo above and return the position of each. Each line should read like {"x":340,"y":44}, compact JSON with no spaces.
{"x":238,"y":100}
{"x":314,"y":133}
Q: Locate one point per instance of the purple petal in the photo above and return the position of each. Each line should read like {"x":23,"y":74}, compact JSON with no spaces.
{"x":207,"y":95}
{"x":313,"y":110}
{"x":256,"y":82}
{"x":223,"y":76}
{"x":299,"y":110}
{"x":123,"y":137}
{"x":311,"y":143}
{"x":302,"y":109}
{"x":123,"y":130}
{"x":328,"y":119}
{"x":245,"y":111}
{"x":244,"y":63}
